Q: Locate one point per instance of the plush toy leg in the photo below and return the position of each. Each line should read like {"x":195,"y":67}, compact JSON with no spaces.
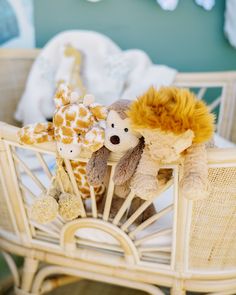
{"x":144,"y":182}
{"x":195,"y":173}
{"x":115,"y":206}
{"x":136,"y":203}
{"x":123,"y":190}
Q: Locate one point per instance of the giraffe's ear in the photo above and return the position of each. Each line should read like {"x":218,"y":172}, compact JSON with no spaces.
{"x":88,"y":99}
{"x":94,"y":139}
{"x":65,"y":96}
{"x":36,"y":133}
{"x":99,"y":112}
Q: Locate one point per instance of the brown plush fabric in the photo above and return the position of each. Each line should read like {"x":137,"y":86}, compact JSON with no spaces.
{"x":116,"y":204}
{"x":125,"y":169}
{"x":136,"y":203}
{"x":164,"y":175}
{"x":127,"y":165}
{"x":97,"y":166}
{"x":122,"y":190}
{"x":120,"y":106}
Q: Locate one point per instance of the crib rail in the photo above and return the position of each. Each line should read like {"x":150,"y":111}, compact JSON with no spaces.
{"x":222,"y":102}
{"x":143,"y":244}
{"x":174,"y":244}
{"x":198,"y":257}
{"x":30,"y":185}
{"x":53,"y":233}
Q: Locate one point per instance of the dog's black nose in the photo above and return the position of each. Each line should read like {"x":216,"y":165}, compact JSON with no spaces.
{"x":114,"y":139}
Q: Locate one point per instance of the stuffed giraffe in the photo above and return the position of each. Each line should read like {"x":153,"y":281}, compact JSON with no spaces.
{"x":75,"y":126}
{"x":70,"y":68}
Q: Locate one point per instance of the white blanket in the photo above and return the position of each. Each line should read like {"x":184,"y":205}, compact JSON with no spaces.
{"x":106,"y":71}
{"x":230,"y":21}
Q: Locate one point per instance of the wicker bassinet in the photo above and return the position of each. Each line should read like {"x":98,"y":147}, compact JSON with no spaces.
{"x":201,"y":253}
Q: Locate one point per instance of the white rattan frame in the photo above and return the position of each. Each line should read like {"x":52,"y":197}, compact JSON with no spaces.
{"x":57,"y":248}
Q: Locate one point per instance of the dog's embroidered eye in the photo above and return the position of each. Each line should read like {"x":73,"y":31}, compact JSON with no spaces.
{"x":79,"y":134}
{"x":112,"y":125}
{"x":126,"y":129}
{"x":71,"y":151}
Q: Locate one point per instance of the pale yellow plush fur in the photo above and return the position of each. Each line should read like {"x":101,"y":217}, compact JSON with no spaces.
{"x":175,"y":125}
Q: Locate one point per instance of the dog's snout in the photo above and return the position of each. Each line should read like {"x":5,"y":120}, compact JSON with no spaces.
{"x":114,"y":139}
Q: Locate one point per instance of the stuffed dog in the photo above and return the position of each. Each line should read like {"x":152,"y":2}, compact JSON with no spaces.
{"x":119,"y":139}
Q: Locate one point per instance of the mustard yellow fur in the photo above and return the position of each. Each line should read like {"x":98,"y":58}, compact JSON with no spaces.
{"x":173,"y":110}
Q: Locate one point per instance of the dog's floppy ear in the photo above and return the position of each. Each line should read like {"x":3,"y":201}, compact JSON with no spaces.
{"x":127,"y":165}
{"x":97,"y":166}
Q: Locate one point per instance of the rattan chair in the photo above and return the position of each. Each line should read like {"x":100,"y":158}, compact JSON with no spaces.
{"x":201,"y":254}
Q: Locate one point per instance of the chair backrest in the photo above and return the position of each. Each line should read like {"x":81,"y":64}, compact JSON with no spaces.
{"x":203,"y":232}
{"x":15,"y":65}
{"x":213,"y":227}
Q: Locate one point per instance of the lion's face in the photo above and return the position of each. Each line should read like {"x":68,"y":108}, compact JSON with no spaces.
{"x":166,"y":146}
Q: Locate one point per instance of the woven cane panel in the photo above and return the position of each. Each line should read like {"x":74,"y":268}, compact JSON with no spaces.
{"x":213,"y":229}
{"x":233,"y":132}
{"x":13,"y":75}
{"x":5,"y":220}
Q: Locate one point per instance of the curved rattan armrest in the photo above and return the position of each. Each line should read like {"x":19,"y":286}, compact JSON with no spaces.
{"x":214,"y":155}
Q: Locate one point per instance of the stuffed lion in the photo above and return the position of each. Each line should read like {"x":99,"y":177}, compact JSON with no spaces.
{"x":175,"y":125}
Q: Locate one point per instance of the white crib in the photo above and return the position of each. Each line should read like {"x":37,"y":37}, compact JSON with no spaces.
{"x":186,"y":246}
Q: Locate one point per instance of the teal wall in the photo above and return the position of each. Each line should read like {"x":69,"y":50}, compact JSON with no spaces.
{"x":189,"y":38}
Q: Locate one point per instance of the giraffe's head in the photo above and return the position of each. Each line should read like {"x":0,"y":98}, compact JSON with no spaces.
{"x":75,"y":126}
